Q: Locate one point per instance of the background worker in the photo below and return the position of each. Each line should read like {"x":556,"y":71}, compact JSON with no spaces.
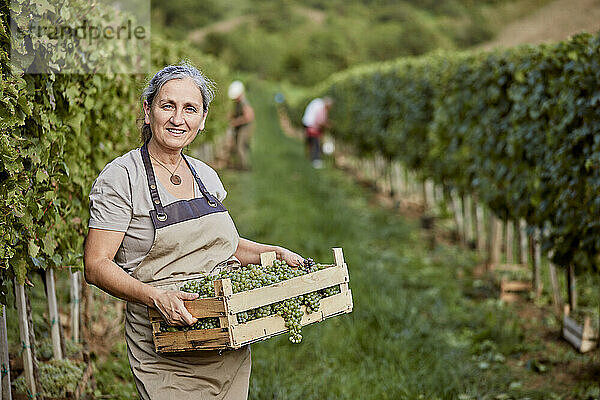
{"x":315,"y":120}
{"x":241,"y":125}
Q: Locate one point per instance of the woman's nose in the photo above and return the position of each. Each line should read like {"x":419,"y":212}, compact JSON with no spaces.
{"x":177,"y":117}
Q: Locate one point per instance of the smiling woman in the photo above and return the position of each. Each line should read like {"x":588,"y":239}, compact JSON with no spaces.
{"x":156,"y":220}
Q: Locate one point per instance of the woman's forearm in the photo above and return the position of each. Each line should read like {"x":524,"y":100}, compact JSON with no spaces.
{"x":248,"y":252}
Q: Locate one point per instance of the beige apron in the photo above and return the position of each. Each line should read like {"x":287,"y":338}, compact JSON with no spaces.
{"x":192,"y":237}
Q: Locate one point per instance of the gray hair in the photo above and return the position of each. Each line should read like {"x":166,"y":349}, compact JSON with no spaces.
{"x":170,"y":72}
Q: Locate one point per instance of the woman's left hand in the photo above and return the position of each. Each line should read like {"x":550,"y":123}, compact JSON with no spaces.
{"x":290,"y":258}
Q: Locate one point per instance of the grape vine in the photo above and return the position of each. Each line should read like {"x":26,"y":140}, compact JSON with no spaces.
{"x":57,"y":132}
{"x":255,"y":276}
{"x":58,"y":378}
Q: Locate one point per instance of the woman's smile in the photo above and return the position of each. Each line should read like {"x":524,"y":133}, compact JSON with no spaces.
{"x":176,"y":132}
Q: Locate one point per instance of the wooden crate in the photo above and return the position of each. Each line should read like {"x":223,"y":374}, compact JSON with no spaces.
{"x":225,"y":306}
{"x":582,"y":337}
{"x":511,"y":289}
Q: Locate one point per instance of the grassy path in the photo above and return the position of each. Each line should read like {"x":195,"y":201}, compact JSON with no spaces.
{"x":413,"y":334}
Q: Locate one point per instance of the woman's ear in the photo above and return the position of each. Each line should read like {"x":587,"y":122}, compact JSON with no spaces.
{"x":146,"y":112}
{"x":201,"y":127}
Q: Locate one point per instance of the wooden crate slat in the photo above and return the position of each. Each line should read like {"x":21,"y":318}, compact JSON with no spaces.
{"x":267,"y":259}
{"x":572,"y":326}
{"x":509,"y":297}
{"x":288,"y":289}
{"x":205,"y":339}
{"x":510,"y":268}
{"x":515,"y":286}
{"x":224,"y":288}
{"x":267,"y":327}
{"x":199,"y":308}
{"x":572,"y":338}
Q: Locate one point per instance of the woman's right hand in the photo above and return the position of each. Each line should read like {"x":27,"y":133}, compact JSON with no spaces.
{"x":169,"y":304}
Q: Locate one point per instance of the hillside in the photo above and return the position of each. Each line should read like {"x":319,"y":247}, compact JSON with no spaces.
{"x":553,"y":22}
{"x":304,"y":42}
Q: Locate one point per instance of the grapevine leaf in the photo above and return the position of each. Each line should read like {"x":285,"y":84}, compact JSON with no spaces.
{"x":33,"y":249}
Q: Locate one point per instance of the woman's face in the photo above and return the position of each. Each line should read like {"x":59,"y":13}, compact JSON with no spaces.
{"x":175,"y":115}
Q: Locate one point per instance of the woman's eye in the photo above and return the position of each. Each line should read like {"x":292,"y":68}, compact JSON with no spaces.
{"x":167,"y":107}
{"x":191,"y":109}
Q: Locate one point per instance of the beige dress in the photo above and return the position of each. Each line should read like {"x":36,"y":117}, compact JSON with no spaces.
{"x":191,"y":237}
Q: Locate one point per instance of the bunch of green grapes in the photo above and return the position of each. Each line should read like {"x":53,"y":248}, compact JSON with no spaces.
{"x":57,"y":378}
{"x":255,"y":276}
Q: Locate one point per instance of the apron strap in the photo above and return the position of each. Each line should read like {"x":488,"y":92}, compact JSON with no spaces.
{"x":212,"y":200}
{"x":158,"y":207}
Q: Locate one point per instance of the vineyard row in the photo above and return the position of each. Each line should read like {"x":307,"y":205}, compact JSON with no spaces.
{"x":517,"y":128}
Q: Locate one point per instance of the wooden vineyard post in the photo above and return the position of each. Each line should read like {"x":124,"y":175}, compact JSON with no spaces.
{"x":495,"y":241}
{"x":32,"y":343}
{"x":408,"y":187}
{"x":86,"y":317}
{"x":458,"y":215}
{"x":571,"y":287}
{"x":480,"y":227}
{"x":53,"y":313}
{"x":75,"y":300}
{"x":426,"y":201}
{"x":375,"y":169}
{"x":523,"y":242}
{"x":509,"y":241}
{"x":388,"y":178}
{"x":396,"y":177}
{"x":556,"y":298}
{"x":393,"y":184}
{"x":381,"y":173}
{"x":417,"y":188}
{"x":5,"y":388}
{"x":537,"y":262}
{"x":430,"y":201}
{"x":468,"y":220}
{"x":24,"y":335}
{"x":439,"y":195}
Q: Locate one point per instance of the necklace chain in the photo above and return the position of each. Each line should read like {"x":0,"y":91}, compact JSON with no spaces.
{"x":175,"y":179}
